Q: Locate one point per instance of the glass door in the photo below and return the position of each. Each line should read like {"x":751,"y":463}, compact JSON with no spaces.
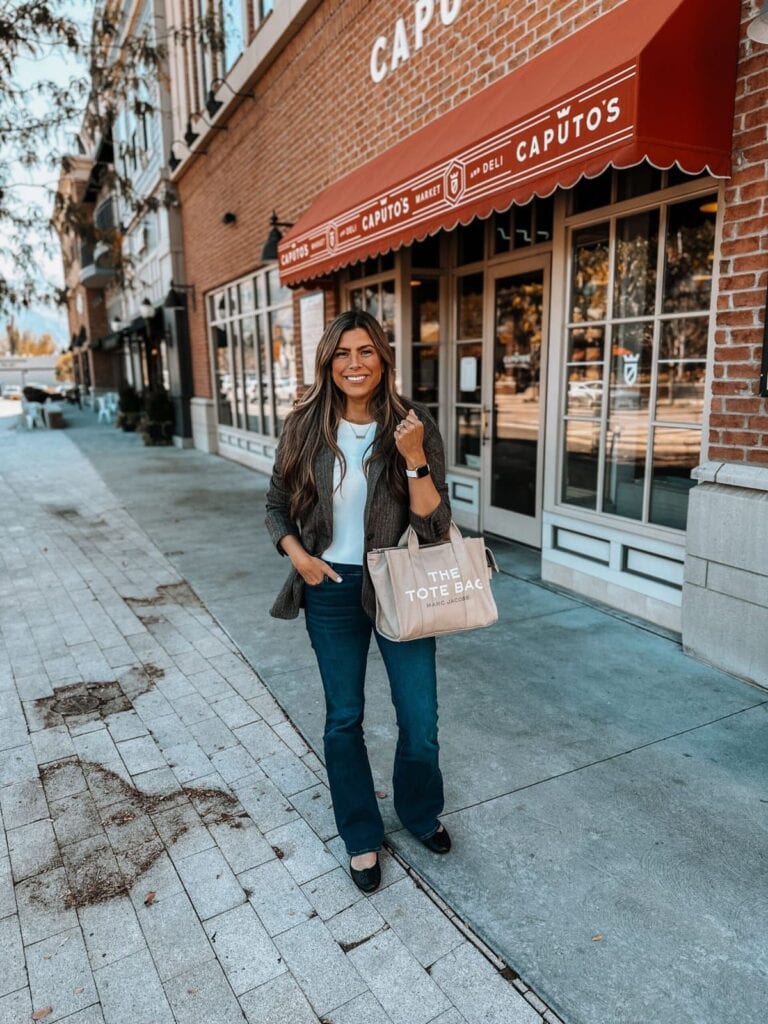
{"x":514,"y":399}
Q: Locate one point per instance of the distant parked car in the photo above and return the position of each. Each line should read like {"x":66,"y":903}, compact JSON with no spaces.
{"x":585,"y":392}
{"x":12,"y":391}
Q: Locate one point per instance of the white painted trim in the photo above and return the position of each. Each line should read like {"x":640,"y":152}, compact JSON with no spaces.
{"x":585,"y":571}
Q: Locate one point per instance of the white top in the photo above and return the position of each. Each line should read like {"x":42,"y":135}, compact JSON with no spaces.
{"x":347,"y":545}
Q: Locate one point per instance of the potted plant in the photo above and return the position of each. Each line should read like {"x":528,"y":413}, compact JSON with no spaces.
{"x":128,"y":408}
{"x":157,"y":422}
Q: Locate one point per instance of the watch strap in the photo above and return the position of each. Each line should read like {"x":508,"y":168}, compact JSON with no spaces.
{"x":419,"y":472}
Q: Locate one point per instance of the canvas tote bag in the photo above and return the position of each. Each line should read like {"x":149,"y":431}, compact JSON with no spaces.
{"x":432,"y":589}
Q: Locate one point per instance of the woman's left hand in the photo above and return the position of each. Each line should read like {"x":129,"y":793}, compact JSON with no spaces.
{"x":409,"y":440}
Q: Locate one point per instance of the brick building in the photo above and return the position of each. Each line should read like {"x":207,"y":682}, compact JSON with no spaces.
{"x":558,"y":211}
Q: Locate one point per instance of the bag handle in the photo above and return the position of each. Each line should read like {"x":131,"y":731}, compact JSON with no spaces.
{"x":410,"y":539}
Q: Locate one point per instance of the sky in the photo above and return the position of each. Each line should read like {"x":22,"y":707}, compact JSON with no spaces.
{"x":38,"y":185}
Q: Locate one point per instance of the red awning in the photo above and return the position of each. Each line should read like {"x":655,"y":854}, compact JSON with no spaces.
{"x":653,"y":80}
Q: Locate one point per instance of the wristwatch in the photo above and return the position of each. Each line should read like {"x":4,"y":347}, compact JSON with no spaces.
{"x":419,"y":472}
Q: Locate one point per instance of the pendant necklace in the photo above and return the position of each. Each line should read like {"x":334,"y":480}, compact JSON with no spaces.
{"x":360,"y":437}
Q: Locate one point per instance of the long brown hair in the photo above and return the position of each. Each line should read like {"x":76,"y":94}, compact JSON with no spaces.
{"x":315,"y":418}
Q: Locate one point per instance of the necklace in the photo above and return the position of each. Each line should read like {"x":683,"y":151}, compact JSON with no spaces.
{"x":360,"y":437}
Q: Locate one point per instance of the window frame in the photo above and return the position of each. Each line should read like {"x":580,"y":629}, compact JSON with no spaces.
{"x":661,"y":200}
{"x":258,"y":318}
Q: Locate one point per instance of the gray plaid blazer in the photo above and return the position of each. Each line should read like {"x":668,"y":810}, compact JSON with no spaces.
{"x":385,"y":517}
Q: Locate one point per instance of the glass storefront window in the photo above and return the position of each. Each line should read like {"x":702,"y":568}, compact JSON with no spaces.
{"x":625,"y":468}
{"x":251,"y":336}
{"x":682,"y":369}
{"x":276,"y":292}
{"x":675,"y":454}
{"x":426,"y":338}
{"x":689,"y":255}
{"x":467,"y":438}
{"x":589,"y":275}
{"x":426,"y":254}
{"x":225,"y":386}
{"x":387,"y":302}
{"x":470,"y":293}
{"x":232,"y":15}
{"x":425,"y":310}
{"x":283,"y":363}
{"x":470,"y":240}
{"x":469,"y":372}
{"x":637,"y":244}
{"x":251,"y":380}
{"x":637,"y":181}
{"x":591,"y":193}
{"x":580,"y":465}
{"x":634,"y":458}
{"x":631,"y":360}
{"x":522,"y":226}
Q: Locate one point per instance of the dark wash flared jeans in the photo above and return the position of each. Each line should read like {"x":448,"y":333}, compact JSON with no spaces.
{"x":340,"y":632}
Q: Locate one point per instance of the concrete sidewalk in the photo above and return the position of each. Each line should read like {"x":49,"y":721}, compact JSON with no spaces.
{"x":606,"y":794}
{"x":167,"y":848}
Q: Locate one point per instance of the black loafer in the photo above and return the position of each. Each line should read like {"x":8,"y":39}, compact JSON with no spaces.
{"x":438,"y":842}
{"x":369,"y":879}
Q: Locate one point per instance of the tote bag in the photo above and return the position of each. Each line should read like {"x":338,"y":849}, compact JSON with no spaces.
{"x":432,"y":589}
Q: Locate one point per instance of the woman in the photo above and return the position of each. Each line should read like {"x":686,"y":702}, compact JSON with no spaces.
{"x":355,"y":465}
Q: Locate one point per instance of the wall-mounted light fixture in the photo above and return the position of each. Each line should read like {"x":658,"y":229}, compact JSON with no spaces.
{"x":212,"y":105}
{"x":173,"y":160}
{"x":269,"y":252}
{"x":757,"y":29}
{"x":146,"y":309}
{"x":190,"y":135}
{"x":176,"y":298}
{"x":116,"y":325}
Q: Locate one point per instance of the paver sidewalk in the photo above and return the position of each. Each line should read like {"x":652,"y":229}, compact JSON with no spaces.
{"x":168,"y":851}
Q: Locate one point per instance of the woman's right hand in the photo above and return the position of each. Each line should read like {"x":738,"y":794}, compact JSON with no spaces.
{"x":314,"y":570}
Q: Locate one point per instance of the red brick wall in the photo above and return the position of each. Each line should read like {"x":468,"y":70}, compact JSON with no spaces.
{"x":317,"y":115}
{"x":739,"y":417}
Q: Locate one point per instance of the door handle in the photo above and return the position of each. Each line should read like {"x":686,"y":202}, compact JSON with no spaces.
{"x":484,"y":416}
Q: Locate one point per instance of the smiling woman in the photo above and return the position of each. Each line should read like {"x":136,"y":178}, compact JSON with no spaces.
{"x":356,"y":464}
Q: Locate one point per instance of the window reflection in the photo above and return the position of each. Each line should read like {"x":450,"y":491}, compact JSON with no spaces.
{"x":253,"y":353}
{"x":470,"y":289}
{"x":625,"y":465}
{"x":589,"y":282}
{"x":689,"y":255}
{"x":252,"y":420}
{"x":582,"y":451}
{"x":631,"y":360}
{"x":468,"y":426}
{"x":425,"y":371}
{"x":675,"y":455}
{"x":637,"y":243}
{"x":378,"y":299}
{"x":283,"y":363}
{"x":387,"y":302}
{"x":225,"y":395}
{"x":657,"y":362}
{"x":425,"y":332}
{"x":470,"y":242}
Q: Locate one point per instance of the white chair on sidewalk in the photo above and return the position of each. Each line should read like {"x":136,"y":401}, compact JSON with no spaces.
{"x":31,"y":414}
{"x":104,"y":412}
